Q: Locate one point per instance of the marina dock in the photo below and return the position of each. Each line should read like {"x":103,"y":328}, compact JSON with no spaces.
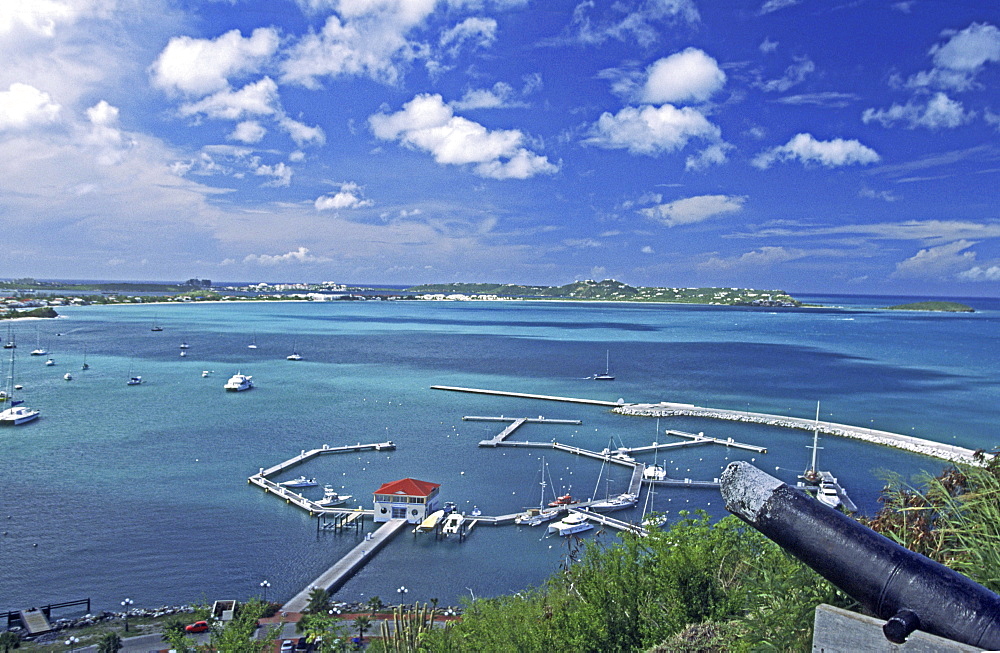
{"x":523,"y":395}
{"x":344,"y":568}
{"x":611,"y":522}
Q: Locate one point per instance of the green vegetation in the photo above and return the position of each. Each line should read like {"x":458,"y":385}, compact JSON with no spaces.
{"x":45,"y":311}
{"x":947,"y":307}
{"x":611,"y":290}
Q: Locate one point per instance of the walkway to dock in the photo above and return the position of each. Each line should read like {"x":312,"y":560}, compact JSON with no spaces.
{"x":604,"y":520}
{"x":516,"y":423}
{"x":358,"y":557}
{"x":522,"y":395}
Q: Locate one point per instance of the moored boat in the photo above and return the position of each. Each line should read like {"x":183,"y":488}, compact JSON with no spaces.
{"x":332,"y":498}
{"x":452,"y":523}
{"x":16,"y":414}
{"x":301,"y":481}
{"x":430,"y":522}
{"x":617,"y":502}
{"x":239,"y":382}
{"x":564,"y":500}
{"x":572,"y":523}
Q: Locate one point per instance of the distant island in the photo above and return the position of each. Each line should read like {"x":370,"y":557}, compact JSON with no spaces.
{"x":611,"y":290}
{"x":946,"y":307}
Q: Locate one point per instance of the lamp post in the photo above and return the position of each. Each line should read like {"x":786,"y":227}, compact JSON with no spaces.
{"x":265,"y":584}
{"x":126,"y":604}
{"x":71,"y":642}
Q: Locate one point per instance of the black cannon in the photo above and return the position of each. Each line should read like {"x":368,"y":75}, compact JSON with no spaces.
{"x":907,"y":589}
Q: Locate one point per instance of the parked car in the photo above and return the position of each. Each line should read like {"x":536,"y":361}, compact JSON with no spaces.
{"x":302,"y":645}
{"x":288,"y":646}
{"x":197,"y":627}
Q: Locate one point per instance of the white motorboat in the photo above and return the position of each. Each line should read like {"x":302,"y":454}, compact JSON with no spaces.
{"x":239,"y":382}
{"x":134,"y":380}
{"x":301,"y":481}
{"x":332,"y":498}
{"x":452,"y":523}
{"x":537,"y":516}
{"x":654,"y":472}
{"x":828,"y":495}
{"x":573,"y":523}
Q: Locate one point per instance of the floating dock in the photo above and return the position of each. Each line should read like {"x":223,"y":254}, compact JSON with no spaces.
{"x":334,"y":577}
{"x":523,"y":395}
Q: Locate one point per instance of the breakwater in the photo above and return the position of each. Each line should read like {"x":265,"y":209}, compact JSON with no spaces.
{"x":949,"y":452}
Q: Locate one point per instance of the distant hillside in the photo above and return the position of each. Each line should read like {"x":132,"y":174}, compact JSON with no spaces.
{"x":947,"y":307}
{"x":611,"y":290}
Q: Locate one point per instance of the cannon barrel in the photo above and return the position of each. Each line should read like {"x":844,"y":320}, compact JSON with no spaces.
{"x":907,"y":589}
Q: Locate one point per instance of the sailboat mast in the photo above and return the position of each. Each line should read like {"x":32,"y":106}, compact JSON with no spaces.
{"x":541,"y":501}
{"x":812,"y":468}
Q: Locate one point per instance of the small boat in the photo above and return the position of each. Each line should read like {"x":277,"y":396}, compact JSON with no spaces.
{"x":430,"y":522}
{"x":184,"y":345}
{"x":50,"y":362}
{"x":301,"y":481}
{"x":134,"y":380}
{"x":68,"y":376}
{"x":654,"y":472}
{"x":573,"y":523}
{"x":85,"y":366}
{"x":828,"y":495}
{"x":564,"y":500}
{"x":476,"y":512}
{"x":452,"y":523}
{"x":183,"y":353}
{"x":331,"y":498}
{"x":253,"y":343}
{"x":294,"y":356}
{"x":38,"y":350}
{"x":606,"y":375}
{"x":239,"y":382}
{"x":205,"y":373}
{"x":156,"y":326}
{"x":10,"y":344}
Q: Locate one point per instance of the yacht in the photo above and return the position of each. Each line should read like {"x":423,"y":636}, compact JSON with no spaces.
{"x":654,"y":472}
{"x":617,"y":502}
{"x":10,"y":344}
{"x":573,"y":523}
{"x":453,"y":523}
{"x":606,"y":375}
{"x":239,"y":382}
{"x":16,"y":414}
{"x":537,"y":516}
{"x":301,"y":481}
{"x":38,"y":350}
{"x":828,"y":495}
{"x":331,"y":498}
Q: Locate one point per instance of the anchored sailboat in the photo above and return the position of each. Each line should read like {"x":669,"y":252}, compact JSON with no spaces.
{"x":16,"y":414}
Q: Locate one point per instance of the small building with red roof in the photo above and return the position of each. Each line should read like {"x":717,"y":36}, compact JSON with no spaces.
{"x":407,"y":499}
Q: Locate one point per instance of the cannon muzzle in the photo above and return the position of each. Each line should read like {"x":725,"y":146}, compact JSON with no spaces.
{"x":907,"y":589}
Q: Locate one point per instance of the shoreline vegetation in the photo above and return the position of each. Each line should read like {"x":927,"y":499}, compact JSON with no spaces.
{"x":938,"y":306}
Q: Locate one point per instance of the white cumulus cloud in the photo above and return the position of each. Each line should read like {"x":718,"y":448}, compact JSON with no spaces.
{"x":348,"y":197}
{"x":687,"y":76}
{"x":651,"y":130}
{"x":959,"y":60}
{"x":980,"y":273}
{"x":248,"y":131}
{"x":300,"y":255}
{"x":426,"y":123}
{"x":759,"y":258}
{"x":939,"y":112}
{"x":201,"y":66}
{"x":257,"y":99}
{"x":805,"y":147}
{"x":690,"y":210}
{"x":940,"y":262}
{"x":23,"y":106}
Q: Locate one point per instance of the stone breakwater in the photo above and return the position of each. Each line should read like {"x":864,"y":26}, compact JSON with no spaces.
{"x":921,"y":446}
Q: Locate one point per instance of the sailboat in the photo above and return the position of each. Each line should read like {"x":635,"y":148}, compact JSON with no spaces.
{"x":828,"y":491}
{"x":541,"y":514}
{"x":649,"y":520}
{"x":295,"y":355}
{"x":253,"y":342}
{"x":16,"y":414}
{"x":38,"y":350}
{"x":606,"y":375}
{"x":10,"y":343}
{"x":86,"y":366}
{"x":156,"y":326}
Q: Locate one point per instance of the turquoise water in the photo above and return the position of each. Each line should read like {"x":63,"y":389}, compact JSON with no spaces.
{"x":141,"y":491}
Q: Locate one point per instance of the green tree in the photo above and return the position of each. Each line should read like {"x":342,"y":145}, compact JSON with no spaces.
{"x":9,"y":640}
{"x":375,"y":604}
{"x":362,"y":623}
{"x":109,"y":642}
{"x":237,"y":636}
{"x":326,"y":632}
{"x":319,"y":600}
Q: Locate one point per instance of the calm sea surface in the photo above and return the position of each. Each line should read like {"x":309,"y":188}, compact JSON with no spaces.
{"x":141,"y":491}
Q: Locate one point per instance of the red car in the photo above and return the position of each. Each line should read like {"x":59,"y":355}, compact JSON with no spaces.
{"x":197,"y":627}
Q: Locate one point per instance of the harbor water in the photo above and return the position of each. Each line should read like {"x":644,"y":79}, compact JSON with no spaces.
{"x":141,"y":491}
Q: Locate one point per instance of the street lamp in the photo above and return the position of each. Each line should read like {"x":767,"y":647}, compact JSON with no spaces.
{"x":265,"y":584}
{"x":71,"y":642}
{"x":126,"y":604}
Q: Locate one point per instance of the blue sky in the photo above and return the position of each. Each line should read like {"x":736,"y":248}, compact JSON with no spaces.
{"x":811,"y":146}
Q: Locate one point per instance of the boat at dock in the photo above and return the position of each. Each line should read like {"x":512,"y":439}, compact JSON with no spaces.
{"x":331,"y":498}
{"x":564,"y":500}
{"x":239,"y":382}
{"x":301,"y":481}
{"x":430,"y":522}
{"x":824,"y":484}
{"x":453,"y":523}
{"x":654,"y":472}
{"x":616,"y":502}
{"x":572,"y":523}
{"x":541,"y":514}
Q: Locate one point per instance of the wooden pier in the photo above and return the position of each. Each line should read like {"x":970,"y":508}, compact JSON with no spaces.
{"x":515,"y":423}
{"x":334,"y":577}
{"x":611,"y":522}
